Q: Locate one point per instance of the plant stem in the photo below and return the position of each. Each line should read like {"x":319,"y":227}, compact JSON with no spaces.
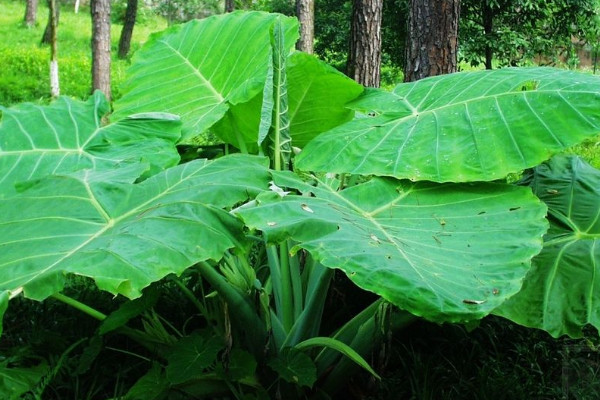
{"x":287,"y":297}
{"x":191,"y":297}
{"x":362,"y":333}
{"x":80,"y":306}
{"x":342,"y":181}
{"x":308,"y":323}
{"x":247,"y":317}
{"x":275,"y":271}
{"x":296,"y":279}
{"x":140,"y":337}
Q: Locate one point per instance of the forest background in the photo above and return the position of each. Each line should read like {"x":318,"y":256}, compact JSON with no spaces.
{"x":561,"y":33}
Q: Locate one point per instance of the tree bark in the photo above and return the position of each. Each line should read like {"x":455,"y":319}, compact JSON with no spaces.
{"x":47,"y":36}
{"x":364,"y":57}
{"x":54,"y":82}
{"x":229,"y":5}
{"x":127,"y":31}
{"x":30,"y":13}
{"x":432,"y":39}
{"x":488,"y":28}
{"x":100,"y":10}
{"x":305,"y":11}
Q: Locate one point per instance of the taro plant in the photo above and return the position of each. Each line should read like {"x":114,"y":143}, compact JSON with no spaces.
{"x":403,"y":192}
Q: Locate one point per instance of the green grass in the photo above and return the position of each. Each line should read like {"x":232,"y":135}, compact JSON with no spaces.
{"x":589,"y":150}
{"x":24,"y":75}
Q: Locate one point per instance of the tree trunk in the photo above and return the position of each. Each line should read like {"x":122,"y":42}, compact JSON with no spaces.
{"x":488,"y":28}
{"x":30,"y":13}
{"x":364,"y":57}
{"x":54,"y":82}
{"x":229,"y":5}
{"x":127,"y":31}
{"x":305,"y":10}
{"x":432,"y":39}
{"x":100,"y":10}
{"x":47,"y":36}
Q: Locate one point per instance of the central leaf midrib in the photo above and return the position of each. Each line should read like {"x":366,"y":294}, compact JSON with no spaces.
{"x":379,"y":227}
{"x":197,"y":72}
{"x":108,"y":225}
{"x":481,"y":98}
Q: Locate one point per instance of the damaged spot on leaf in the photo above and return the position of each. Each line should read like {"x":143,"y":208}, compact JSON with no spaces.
{"x":306,"y":208}
{"x":475,"y":302}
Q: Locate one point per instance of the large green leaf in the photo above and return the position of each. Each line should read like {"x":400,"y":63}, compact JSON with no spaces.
{"x":198,"y":69}
{"x":317,"y":96}
{"x":445,"y":252}
{"x":561,"y":293}
{"x":462,"y":127}
{"x":122,"y":235}
{"x":68,"y":135}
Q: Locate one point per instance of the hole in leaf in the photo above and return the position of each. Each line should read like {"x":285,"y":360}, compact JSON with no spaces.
{"x":529,"y":85}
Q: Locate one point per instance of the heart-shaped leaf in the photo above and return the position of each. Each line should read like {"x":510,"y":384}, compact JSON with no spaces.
{"x":444,"y":252}
{"x":123,"y":235}
{"x":192,"y":355}
{"x":463,"y":127}
{"x":295,"y":367}
{"x":561,"y":293}
{"x":317,"y":95}
{"x":198,"y":69}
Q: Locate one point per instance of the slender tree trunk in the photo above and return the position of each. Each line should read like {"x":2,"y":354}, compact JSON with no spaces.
{"x":30,"y":13}
{"x":229,"y":5}
{"x":364,"y":57}
{"x":47,"y":36}
{"x":77,"y":6}
{"x":305,"y":10}
{"x":54,"y":82}
{"x":488,"y":28}
{"x":100,"y":10}
{"x":127,"y":31}
{"x":432,"y":39}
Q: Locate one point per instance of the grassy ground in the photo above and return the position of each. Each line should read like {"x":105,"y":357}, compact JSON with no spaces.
{"x":24,"y":74}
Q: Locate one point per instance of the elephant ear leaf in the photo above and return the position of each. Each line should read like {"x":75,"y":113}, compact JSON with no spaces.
{"x":122,"y":235}
{"x":475,"y":126}
{"x":199,"y":69}
{"x":68,"y":135}
{"x":561,"y":293}
{"x":444,"y":252}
